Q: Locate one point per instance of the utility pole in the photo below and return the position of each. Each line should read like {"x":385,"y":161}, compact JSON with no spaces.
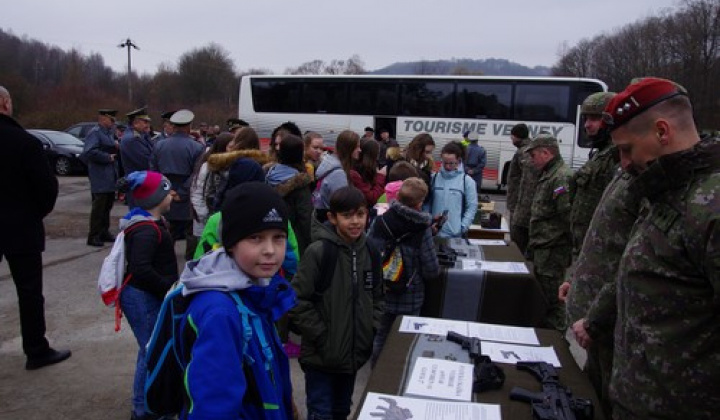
{"x":129,"y":44}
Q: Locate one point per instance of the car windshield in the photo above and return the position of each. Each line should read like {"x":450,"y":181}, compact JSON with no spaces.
{"x":62,"y":139}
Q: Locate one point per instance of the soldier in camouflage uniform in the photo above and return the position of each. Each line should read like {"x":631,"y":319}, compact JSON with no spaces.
{"x":591,"y":300}
{"x":522,"y":177}
{"x":550,"y":242}
{"x":667,"y":335}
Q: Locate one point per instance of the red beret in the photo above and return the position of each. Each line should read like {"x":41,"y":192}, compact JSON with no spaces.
{"x":637,"y":98}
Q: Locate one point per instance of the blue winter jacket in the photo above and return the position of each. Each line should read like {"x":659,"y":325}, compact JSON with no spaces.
{"x":230,"y":374}
{"x":453,"y":191}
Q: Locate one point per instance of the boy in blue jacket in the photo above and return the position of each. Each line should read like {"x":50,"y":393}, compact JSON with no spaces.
{"x":237,"y":368}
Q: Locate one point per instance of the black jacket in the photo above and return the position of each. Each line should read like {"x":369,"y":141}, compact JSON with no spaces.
{"x":151,"y":262}
{"x":28,"y":189}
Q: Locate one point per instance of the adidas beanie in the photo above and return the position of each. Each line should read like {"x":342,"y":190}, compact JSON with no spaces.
{"x":251,"y":208}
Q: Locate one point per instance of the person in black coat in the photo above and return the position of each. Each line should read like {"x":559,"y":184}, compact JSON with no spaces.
{"x":29,"y":190}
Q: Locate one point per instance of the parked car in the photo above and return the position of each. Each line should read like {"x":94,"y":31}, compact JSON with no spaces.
{"x":62,"y":150}
{"x":81,"y":130}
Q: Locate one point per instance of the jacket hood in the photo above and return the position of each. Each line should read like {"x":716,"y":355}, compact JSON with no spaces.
{"x":215,"y":271}
{"x":401,"y":220}
{"x":222,"y":161}
{"x":135,"y":215}
{"x":460,"y":170}
{"x":299,"y":180}
{"x":280,"y":173}
{"x":328,"y":163}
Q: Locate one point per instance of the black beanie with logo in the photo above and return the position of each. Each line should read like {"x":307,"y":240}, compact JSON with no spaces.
{"x":250,"y":208}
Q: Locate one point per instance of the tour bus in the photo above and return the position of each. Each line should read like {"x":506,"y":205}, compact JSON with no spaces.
{"x":443,"y":106}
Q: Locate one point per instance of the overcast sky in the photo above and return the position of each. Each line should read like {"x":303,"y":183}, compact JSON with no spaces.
{"x":276,"y":34}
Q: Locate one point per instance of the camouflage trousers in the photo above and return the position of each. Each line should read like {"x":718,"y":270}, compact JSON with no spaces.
{"x":599,"y":370}
{"x":549,"y":266}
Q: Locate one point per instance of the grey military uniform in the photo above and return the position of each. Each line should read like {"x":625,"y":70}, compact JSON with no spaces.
{"x":99,"y":145}
{"x":175,"y":157}
{"x":667,"y":335}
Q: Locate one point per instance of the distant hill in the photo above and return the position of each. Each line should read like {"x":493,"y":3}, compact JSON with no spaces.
{"x":488,"y":67}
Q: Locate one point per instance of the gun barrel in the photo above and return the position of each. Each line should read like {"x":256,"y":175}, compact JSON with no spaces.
{"x":522,"y":394}
{"x":457,"y":338}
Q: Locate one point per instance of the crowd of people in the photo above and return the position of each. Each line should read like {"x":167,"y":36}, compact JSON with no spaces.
{"x":335,"y":243}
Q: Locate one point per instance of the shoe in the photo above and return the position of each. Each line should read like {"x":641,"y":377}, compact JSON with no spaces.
{"x":107,"y":237}
{"x":50,"y":358}
{"x":95,"y":241}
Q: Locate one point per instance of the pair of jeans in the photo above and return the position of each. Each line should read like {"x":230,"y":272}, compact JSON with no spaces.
{"x":329,"y":395}
{"x":141,"y":310}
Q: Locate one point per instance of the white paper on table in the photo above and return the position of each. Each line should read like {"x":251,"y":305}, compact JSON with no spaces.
{"x":435,"y":326}
{"x":512,"y":353}
{"x":440,"y":378}
{"x":385,"y":406}
{"x":513,"y":267}
{"x":487,"y":242}
{"x":503,"y":333}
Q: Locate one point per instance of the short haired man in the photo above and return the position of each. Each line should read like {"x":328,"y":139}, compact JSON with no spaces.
{"x":522,"y":178}
{"x":29,"y":190}
{"x":369,"y":133}
{"x":550,"y":242}
{"x":100,"y":152}
{"x":385,"y":142}
{"x":667,"y":346}
{"x":475,"y":161}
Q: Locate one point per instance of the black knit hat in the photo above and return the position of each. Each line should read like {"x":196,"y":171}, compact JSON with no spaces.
{"x":251,"y":208}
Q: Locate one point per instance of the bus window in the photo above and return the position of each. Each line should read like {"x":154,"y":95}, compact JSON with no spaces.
{"x":275,"y":95}
{"x":324,"y":97}
{"x":373,"y":98}
{"x":542,"y":102}
{"x":427,"y":99}
{"x":484,"y":100}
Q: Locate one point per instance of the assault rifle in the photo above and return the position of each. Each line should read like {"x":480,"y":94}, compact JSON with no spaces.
{"x":554,"y":402}
{"x":486,"y":375}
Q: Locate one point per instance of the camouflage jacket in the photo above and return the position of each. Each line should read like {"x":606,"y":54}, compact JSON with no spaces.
{"x":549,"y":225}
{"x":592,"y":295}
{"x":667,"y":335}
{"x":587,"y":187}
{"x":522,"y":178}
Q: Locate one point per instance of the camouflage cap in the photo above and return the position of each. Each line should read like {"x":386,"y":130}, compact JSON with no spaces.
{"x":638,"y":98}
{"x":595,"y":104}
{"x":542,"y":140}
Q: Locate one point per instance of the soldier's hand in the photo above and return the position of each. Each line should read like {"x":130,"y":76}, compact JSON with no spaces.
{"x":581,"y":334}
{"x":563,"y":291}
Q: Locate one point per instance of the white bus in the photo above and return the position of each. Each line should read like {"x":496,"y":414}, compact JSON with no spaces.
{"x":443,"y":106}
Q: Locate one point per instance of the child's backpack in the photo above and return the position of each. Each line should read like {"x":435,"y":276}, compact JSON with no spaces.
{"x":396,"y":277}
{"x":112,"y":279}
{"x":317,"y":194}
{"x":168,"y":350}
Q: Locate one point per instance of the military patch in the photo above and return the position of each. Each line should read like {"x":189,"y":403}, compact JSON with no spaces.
{"x":663,"y":217}
{"x":557,"y":192}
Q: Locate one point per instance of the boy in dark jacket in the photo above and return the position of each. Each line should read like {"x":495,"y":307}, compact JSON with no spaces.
{"x":236,"y":367}
{"x":151,"y":265}
{"x":337,"y":323}
{"x":407,"y":225}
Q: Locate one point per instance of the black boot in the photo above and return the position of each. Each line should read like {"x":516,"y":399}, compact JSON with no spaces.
{"x":50,"y":357}
{"x":94,"y":241}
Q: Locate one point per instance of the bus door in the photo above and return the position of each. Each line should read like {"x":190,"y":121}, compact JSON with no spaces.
{"x":389,"y":123}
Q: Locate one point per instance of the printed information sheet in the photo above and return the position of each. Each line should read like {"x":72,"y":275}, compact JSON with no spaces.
{"x":512,"y":267}
{"x":503,"y":333}
{"x":392,"y":407}
{"x":440,"y":378}
{"x":435,"y":326}
{"x":510,"y":353}
{"x":487,"y":242}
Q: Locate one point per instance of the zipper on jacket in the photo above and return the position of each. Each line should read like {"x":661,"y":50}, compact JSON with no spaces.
{"x":355,"y":303}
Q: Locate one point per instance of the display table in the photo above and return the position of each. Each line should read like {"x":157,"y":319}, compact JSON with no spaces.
{"x":492,"y":297}
{"x":389,"y":374}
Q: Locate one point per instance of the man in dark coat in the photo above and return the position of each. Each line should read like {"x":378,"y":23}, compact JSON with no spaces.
{"x":136,"y":147}
{"x":29,"y":190}
{"x":101,"y":151}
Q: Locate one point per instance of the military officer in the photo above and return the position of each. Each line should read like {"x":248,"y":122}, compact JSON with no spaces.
{"x":167,"y":127}
{"x":522,"y":178}
{"x":136,"y":145}
{"x":100,"y":152}
{"x":667,"y":340}
{"x":175,"y":157}
{"x":235,"y":124}
{"x":550,"y":241}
